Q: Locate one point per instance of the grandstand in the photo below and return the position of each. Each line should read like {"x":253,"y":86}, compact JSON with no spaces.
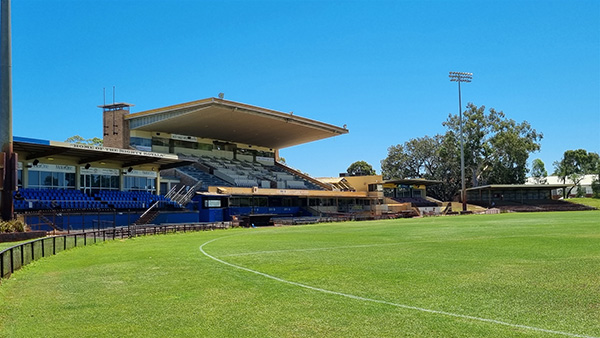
{"x":213,"y":160}
{"x":521,"y":198}
{"x":203,"y":161}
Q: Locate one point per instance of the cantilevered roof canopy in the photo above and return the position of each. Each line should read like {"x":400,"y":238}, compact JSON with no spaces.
{"x":234,"y":122}
{"x":87,"y":153}
{"x":413,"y":181}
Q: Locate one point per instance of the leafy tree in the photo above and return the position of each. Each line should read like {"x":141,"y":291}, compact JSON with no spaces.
{"x":360,"y":168}
{"x":538,"y":171}
{"x":433,"y":158}
{"x":574,"y":165}
{"x":94,"y":141}
{"x":596,"y":188}
{"x":496,"y":148}
{"x":496,"y":151}
{"x":75,"y":139}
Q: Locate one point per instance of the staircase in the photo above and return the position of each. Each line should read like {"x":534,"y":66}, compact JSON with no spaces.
{"x":183,"y":196}
{"x":148,"y":216}
{"x":46,"y":220}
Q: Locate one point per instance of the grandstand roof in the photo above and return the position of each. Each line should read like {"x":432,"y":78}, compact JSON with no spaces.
{"x":36,"y":148}
{"x":413,"y":181}
{"x":230,"y":121}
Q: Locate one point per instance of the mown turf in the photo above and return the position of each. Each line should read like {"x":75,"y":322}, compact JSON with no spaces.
{"x":540,"y":270}
{"x":592,"y":202}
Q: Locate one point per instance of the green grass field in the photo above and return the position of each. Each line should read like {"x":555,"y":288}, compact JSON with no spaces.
{"x":508,"y":275}
{"x":592,"y":202}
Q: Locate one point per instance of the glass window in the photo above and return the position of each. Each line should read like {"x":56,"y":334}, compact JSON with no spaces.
{"x":46,"y":178}
{"x":34,"y":178}
{"x":140,"y":143}
{"x":133,"y":183}
{"x":163,"y":142}
{"x":70,"y":180}
{"x":204,"y":146}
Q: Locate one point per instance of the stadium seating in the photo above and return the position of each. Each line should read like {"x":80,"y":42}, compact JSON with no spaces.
{"x":42,"y":199}
{"x":214,"y":171}
{"x":71,"y":199}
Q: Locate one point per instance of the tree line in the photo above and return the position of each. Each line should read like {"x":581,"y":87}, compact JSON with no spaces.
{"x":496,"y":151}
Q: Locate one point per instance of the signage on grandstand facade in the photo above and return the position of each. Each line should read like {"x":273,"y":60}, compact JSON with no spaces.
{"x":184,"y":138}
{"x":59,"y":168}
{"x":141,"y":173}
{"x":292,"y":192}
{"x":112,"y":150}
{"x":99,"y":171}
{"x":19,"y":165}
{"x":263,"y":159}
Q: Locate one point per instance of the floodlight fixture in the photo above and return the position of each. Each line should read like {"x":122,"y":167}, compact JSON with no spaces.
{"x":461,"y":77}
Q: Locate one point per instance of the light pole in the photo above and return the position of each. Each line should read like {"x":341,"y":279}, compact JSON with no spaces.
{"x":461,"y":77}
{"x":8,"y":167}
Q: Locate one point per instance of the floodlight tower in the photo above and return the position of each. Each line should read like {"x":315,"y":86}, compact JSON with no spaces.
{"x":8,"y":159}
{"x":461,"y":77}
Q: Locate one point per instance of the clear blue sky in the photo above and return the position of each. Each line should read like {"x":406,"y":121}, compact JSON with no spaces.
{"x":381,"y":67}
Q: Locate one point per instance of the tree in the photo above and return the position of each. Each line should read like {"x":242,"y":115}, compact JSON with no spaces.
{"x":496,"y":148}
{"x":432,"y":158}
{"x":94,"y":141}
{"x":574,"y":165}
{"x":496,"y":151}
{"x":538,"y":171}
{"x":596,"y":187}
{"x":360,"y":168}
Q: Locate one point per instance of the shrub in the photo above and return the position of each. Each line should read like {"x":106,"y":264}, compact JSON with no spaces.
{"x":12,"y":226}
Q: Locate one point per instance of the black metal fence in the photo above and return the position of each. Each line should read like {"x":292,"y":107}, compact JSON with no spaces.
{"x":14,"y":258}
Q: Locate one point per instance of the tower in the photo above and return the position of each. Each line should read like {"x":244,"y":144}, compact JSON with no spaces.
{"x":115,"y":127}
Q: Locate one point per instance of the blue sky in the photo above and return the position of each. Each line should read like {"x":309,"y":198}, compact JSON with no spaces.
{"x":380,"y":67}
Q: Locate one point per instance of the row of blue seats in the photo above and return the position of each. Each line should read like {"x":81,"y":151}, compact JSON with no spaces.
{"x":40,"y":199}
{"x":52,"y":194}
{"x":44,"y":205}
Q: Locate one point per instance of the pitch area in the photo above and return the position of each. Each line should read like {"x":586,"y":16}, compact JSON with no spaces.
{"x":508,"y":275}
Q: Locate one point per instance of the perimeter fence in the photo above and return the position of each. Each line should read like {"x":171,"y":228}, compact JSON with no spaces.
{"x":16,"y":257}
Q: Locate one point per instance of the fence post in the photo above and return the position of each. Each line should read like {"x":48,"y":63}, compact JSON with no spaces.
{"x":43,"y":251}
{"x":2,"y":265}
{"x":33,"y":251}
{"x":12,"y":261}
{"x":54,"y":245}
{"x":65,"y":241}
{"x":84,"y":239}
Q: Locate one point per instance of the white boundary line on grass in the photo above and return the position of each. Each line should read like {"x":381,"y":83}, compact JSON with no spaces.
{"x":311,"y":249}
{"x":364,"y":299}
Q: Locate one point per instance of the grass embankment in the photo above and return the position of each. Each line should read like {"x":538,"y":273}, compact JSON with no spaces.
{"x":592,"y":202}
{"x":539,"y":270}
{"x":6,"y":245}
